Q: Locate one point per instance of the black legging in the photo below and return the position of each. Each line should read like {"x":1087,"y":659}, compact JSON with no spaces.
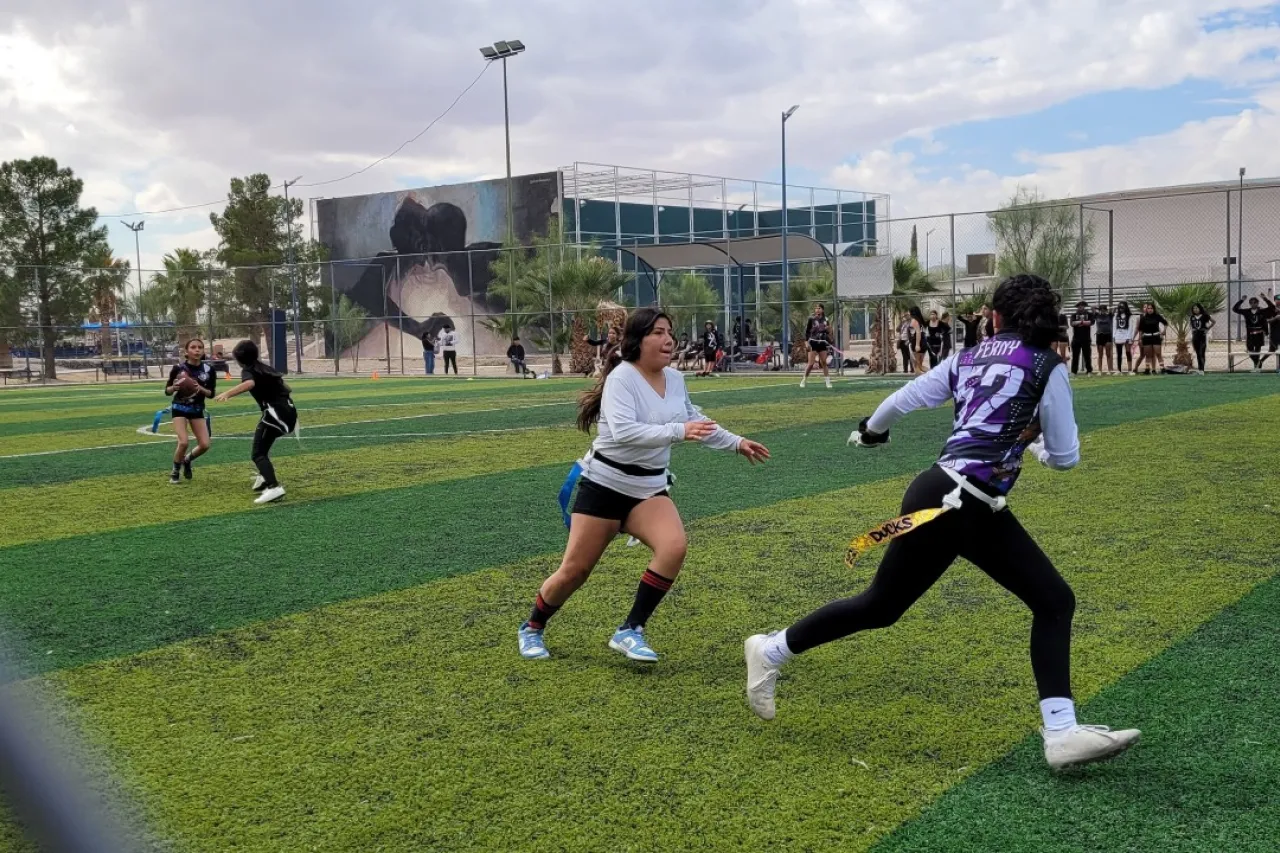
{"x":272,"y":426}
{"x":451,"y":357}
{"x":995,"y":542}
{"x":1123,"y":351}
{"x":1200,"y":343}
{"x":908,"y":363}
{"x":1081,"y":346}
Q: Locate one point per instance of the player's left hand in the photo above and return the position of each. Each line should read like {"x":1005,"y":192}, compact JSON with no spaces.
{"x":753,"y":450}
{"x":863,"y":437}
{"x":223,"y":397}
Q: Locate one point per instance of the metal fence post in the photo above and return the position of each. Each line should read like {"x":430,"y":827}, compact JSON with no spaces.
{"x":471,"y":305}
{"x":551,"y":313}
{"x":333,"y":319}
{"x":953,"y":261}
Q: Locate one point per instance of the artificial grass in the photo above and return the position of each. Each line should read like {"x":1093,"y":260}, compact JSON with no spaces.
{"x":73,"y":599}
{"x":145,"y":498}
{"x":1206,"y":777}
{"x":407,"y":721}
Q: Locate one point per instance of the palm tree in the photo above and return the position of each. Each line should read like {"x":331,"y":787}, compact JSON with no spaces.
{"x":812,"y":283}
{"x":105,"y":275}
{"x":687,"y":298}
{"x":183,"y":279}
{"x":910,"y":281}
{"x":1175,"y":304}
{"x":571,"y":288}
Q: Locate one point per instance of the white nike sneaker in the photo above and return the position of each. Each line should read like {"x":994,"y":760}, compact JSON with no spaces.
{"x":259,"y":483}
{"x":762,"y":677}
{"x":802,"y":381}
{"x":828,"y":384}
{"x":1086,"y":745}
{"x":273,"y":494}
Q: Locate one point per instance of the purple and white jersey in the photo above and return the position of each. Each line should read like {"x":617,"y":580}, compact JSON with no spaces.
{"x":1006,"y":394}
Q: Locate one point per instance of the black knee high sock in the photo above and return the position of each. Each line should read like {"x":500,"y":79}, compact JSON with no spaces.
{"x":653,"y":587}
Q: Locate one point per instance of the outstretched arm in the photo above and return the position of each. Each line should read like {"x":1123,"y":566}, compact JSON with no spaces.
{"x":925,"y":392}
{"x":1058,"y":446}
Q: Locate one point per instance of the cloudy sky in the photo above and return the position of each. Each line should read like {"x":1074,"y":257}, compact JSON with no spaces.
{"x":947,"y":106}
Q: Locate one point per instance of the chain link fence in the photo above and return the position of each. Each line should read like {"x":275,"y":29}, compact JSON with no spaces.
{"x":396,"y":314}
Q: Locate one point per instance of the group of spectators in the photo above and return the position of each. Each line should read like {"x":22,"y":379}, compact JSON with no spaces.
{"x":1116,"y":334}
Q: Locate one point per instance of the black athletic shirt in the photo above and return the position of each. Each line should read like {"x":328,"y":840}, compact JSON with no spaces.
{"x":203,"y":374}
{"x":1255,"y":319}
{"x":1200,"y":323}
{"x":1149,"y":324}
{"x":818,"y":329}
{"x":1102,"y":324}
{"x":1081,"y":333}
{"x":971,"y":331}
{"x":269,"y":389}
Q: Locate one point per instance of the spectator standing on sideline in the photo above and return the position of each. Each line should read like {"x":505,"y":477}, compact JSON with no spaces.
{"x":904,"y":346}
{"x":1275,"y":335}
{"x":449,"y":346}
{"x":1081,"y":345}
{"x":1062,"y":346}
{"x":1151,"y":329}
{"x":711,"y":344}
{"x":429,"y":351}
{"x":949,"y":336}
{"x":1103,"y":323}
{"x":515,"y":355}
{"x":1255,"y":326}
{"x":1200,"y":323}
{"x":971,"y":322}
{"x":1123,"y":336}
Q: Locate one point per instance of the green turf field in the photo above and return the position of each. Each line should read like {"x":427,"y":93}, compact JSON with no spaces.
{"x":338,"y":671}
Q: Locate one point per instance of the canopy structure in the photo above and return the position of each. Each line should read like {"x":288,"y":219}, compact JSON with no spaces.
{"x":719,"y":253}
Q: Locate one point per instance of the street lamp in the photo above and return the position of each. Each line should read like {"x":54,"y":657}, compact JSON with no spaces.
{"x":293,"y":278}
{"x":503,"y":50}
{"x":926,"y":249}
{"x":786,"y":272}
{"x":135,"y":227}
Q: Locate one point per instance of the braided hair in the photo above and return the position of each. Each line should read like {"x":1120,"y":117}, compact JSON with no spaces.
{"x":1028,"y":306}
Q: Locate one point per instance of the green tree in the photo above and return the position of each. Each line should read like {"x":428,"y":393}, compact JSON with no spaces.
{"x":350,"y":323}
{"x":1042,"y":237}
{"x":811,"y":283}
{"x":910,"y":282}
{"x":690,"y":299}
{"x":45,"y":233}
{"x":1175,"y":304}
{"x":105,"y":276}
{"x":11,"y":319}
{"x":185,"y":280}
{"x":254,"y":231}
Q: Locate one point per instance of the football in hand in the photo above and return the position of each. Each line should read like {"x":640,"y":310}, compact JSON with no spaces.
{"x":186,"y":385}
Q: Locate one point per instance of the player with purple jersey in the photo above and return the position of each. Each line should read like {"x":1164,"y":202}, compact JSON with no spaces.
{"x":1011,"y":394}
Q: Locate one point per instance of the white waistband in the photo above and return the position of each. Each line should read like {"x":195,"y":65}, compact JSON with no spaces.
{"x":953,"y":499}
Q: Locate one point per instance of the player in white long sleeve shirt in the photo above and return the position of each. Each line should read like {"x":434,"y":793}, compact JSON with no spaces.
{"x":1011,"y":395}
{"x":642,"y":409}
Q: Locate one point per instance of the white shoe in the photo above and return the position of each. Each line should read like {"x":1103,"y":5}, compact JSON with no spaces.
{"x":802,"y":381}
{"x":762,"y":677}
{"x":828,"y":384}
{"x":272,"y":494}
{"x":1085,"y":745}
{"x":259,"y":483}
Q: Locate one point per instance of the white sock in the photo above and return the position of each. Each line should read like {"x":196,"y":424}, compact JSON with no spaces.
{"x":776,"y":651}
{"x":1059,"y":714}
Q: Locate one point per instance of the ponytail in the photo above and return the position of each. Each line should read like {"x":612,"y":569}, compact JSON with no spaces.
{"x":589,"y":401}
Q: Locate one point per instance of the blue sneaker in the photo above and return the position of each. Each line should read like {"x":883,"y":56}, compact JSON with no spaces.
{"x":531,"y":645}
{"x":630,"y":641}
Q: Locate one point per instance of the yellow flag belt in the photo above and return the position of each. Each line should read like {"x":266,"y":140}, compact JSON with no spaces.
{"x":889,"y":530}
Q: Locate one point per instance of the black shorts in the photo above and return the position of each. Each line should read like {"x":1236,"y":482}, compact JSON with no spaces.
{"x":187,"y":413}
{"x":708,"y":355}
{"x":602,"y":502}
{"x":1152,"y":339}
{"x":1253,"y":341}
{"x":818,"y":346}
{"x":1102,"y":339}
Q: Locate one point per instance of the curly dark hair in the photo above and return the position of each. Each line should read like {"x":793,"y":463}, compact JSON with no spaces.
{"x":1028,"y":305}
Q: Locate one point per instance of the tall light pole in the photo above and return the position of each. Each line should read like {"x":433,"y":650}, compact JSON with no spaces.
{"x":293,"y":277}
{"x":786,"y":270}
{"x":926,"y":249}
{"x":503,"y":50}
{"x":135,"y":227}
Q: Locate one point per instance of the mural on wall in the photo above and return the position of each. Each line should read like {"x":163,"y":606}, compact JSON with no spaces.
{"x":419,"y":260}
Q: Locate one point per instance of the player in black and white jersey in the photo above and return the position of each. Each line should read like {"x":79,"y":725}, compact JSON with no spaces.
{"x":641,"y":408}
{"x":187,"y":408}
{"x":817,"y":335}
{"x":1200,"y":323}
{"x":1011,"y":395}
{"x":279,"y":416}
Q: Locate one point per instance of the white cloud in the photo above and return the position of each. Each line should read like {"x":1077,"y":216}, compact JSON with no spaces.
{"x":170,"y":99}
